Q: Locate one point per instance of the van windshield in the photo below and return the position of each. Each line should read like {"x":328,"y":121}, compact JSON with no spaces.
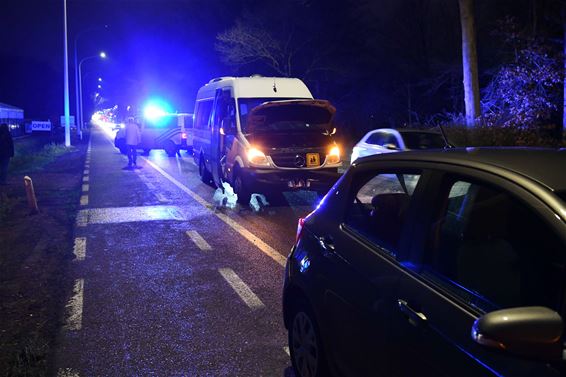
{"x":245,"y":105}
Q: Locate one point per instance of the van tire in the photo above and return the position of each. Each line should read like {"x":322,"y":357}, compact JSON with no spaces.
{"x":240,"y":187}
{"x":205,"y":176}
{"x":170,"y":148}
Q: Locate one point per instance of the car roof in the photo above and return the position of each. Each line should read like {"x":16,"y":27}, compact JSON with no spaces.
{"x":543,"y":165}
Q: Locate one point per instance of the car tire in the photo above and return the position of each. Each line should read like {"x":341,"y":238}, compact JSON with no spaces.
{"x":205,"y":176}
{"x":240,"y":187}
{"x":305,"y":344}
{"x":170,"y":148}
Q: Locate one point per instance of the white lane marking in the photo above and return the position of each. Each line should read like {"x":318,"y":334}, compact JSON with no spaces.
{"x":86,"y":178}
{"x":86,"y":172}
{"x":260,"y":244}
{"x":286,"y":349}
{"x":74,"y":321}
{"x":86,"y":187}
{"x":135,"y":214}
{"x":151,"y":186}
{"x":67,"y":372}
{"x":82,"y":219}
{"x":80,"y":248}
{"x":179,"y":165}
{"x":198,"y":240}
{"x":87,"y":165}
{"x":159,"y":196}
{"x":241,"y":288}
{"x":84,"y":200}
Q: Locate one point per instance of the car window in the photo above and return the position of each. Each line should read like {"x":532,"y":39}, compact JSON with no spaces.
{"x":375,"y":138}
{"x":379,"y":207}
{"x":494,"y":247}
{"x":391,"y":139}
{"x":423,"y":140}
{"x":203,"y":113}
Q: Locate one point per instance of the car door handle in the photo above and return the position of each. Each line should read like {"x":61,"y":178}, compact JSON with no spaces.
{"x":416,"y":319}
{"x":327,"y":243}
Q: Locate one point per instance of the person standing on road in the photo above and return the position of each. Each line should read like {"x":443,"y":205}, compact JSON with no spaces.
{"x":133,"y":138}
{"x":6,"y":152}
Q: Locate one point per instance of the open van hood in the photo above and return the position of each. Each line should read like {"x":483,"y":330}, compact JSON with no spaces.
{"x":291,"y":116}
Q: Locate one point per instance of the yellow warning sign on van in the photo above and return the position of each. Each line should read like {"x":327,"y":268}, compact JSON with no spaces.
{"x":313,"y":159}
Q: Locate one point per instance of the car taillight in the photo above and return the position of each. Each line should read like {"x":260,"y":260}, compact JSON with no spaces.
{"x":183,"y":135}
{"x":300,"y":226}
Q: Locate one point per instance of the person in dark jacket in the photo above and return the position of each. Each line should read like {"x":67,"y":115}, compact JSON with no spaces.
{"x":6,"y":152}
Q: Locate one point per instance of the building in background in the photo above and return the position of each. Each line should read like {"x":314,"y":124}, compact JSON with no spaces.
{"x":13,"y":117}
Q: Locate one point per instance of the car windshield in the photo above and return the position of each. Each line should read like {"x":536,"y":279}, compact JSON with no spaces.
{"x":423,"y":140}
{"x":245,"y":105}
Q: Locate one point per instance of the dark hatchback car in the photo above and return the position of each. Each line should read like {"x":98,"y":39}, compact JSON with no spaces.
{"x":433,"y":263}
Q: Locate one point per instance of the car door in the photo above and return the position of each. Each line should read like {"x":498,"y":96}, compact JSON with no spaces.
{"x":485,"y":246}
{"x":360,"y":300}
{"x":223,"y":112}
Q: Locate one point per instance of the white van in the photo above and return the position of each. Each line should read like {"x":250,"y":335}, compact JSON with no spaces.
{"x":172,"y":133}
{"x":264,"y":134}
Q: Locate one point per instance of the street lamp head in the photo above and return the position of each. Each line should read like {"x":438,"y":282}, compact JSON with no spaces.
{"x":99,"y":86}
{"x":100,"y":79}
{"x":103,"y":55}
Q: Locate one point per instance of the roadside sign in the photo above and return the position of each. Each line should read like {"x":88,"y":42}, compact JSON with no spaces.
{"x":37,"y":125}
{"x":71,"y":120}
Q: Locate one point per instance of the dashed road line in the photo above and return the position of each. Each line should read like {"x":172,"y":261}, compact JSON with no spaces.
{"x":86,"y":187}
{"x":82,"y":219}
{"x":67,"y":372}
{"x":84,"y":200}
{"x":198,"y":240}
{"x":260,"y":244}
{"x":86,"y":178}
{"x":245,"y":293}
{"x":86,"y":172}
{"x":80,"y":248}
{"x":160,"y":197}
{"x":74,"y":321}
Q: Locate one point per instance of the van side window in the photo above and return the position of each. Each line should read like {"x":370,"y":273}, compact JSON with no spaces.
{"x":203,"y":113}
{"x":488,"y":242}
{"x":379,"y":208}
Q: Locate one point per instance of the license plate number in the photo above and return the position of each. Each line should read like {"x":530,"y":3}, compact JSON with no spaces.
{"x":313,"y":159}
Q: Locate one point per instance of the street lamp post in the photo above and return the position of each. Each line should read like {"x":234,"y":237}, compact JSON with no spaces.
{"x":77,"y":99}
{"x":66,"y":79}
{"x":80,"y":91}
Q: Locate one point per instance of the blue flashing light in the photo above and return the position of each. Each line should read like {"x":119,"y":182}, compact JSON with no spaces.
{"x":157,"y":112}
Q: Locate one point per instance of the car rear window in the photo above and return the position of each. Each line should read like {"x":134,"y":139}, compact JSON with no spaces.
{"x":423,"y":140}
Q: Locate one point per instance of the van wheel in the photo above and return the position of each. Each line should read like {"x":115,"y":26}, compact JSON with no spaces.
{"x":170,"y":148}
{"x":305,"y":344}
{"x":240,"y":187}
{"x":203,"y":172}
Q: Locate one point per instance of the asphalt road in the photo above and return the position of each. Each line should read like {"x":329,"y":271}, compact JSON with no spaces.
{"x":166,"y":283}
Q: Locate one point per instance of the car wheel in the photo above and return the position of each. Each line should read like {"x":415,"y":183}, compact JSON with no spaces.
{"x":240,"y":188}
{"x":203,"y":172}
{"x":305,"y":346}
{"x":170,"y":148}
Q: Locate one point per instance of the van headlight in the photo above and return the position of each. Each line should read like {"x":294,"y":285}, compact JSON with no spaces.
{"x":257,"y":157}
{"x":333,"y":156}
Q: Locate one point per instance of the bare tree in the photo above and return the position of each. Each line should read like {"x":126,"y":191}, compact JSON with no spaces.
{"x":469,"y":62}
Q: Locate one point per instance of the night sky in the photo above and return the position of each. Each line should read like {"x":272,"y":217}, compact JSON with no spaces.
{"x":383,"y":62}
{"x":155,"y":48}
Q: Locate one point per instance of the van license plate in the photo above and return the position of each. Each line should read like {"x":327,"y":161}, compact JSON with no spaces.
{"x":313,"y":159}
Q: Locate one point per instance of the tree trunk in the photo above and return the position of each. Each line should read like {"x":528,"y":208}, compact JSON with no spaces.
{"x":564,"y":64}
{"x":470,"y":62}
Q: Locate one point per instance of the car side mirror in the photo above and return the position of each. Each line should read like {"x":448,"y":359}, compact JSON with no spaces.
{"x":533,"y":332}
{"x":390,"y":146}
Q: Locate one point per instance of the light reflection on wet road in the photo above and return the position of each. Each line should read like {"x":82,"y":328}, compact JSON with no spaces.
{"x":181,"y":288}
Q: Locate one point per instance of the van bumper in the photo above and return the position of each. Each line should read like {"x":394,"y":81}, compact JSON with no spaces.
{"x":286,"y":180}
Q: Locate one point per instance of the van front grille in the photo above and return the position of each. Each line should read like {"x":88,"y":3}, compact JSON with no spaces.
{"x":295,"y":160}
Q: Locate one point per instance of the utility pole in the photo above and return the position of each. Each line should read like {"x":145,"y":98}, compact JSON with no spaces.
{"x":470,"y":62}
{"x":66,"y":79}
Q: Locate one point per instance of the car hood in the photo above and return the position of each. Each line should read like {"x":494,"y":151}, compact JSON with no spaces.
{"x":316,"y":112}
